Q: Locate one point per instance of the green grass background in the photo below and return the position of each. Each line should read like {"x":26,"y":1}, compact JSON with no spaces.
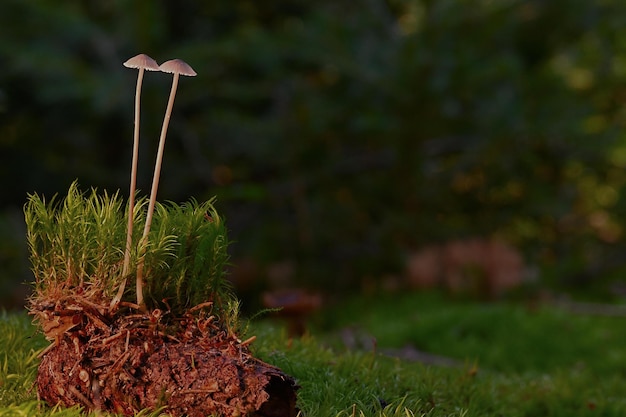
{"x":513,"y":361}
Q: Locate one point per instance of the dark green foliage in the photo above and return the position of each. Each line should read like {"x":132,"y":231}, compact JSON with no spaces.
{"x":341,"y":133}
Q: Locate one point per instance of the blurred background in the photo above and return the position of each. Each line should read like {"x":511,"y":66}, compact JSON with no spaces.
{"x":353,"y":146}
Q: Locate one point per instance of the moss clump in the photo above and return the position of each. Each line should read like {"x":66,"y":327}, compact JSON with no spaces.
{"x":77,"y":248}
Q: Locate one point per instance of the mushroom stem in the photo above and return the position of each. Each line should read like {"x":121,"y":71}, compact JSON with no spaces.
{"x":131,"y":195}
{"x":153,"y":191}
{"x":140,"y":62}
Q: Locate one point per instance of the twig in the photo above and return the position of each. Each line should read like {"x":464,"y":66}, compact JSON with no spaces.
{"x":169,"y":337}
{"x":46,"y":350}
{"x":81,"y":397}
{"x":76,"y":364}
{"x":97,"y":321}
{"x":86,"y":303}
{"x":201,"y":305}
{"x":129,"y":304}
{"x":248,"y":341}
{"x":114,"y":337}
{"x":117,"y":365}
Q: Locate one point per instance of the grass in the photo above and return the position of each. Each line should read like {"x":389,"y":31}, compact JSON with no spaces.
{"x":513,"y":361}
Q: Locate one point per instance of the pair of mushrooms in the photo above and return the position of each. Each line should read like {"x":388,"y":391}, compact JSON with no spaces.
{"x":177,"y":67}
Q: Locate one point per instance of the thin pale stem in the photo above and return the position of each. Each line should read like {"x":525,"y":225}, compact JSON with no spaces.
{"x":153,"y":191}
{"x":131,"y":196}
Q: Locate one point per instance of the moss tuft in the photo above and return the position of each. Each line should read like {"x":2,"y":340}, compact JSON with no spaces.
{"x":77,"y":247}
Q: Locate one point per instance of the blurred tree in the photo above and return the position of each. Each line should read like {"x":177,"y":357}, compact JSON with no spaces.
{"x":337,"y":136}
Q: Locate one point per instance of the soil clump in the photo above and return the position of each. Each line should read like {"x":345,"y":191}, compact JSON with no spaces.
{"x":124,"y":362}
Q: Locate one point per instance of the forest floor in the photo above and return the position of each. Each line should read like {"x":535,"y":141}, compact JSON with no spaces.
{"x":410,"y":355}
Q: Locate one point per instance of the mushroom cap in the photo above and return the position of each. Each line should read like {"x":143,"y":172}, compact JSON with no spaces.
{"x":142,"y":61}
{"x":177,"y":66}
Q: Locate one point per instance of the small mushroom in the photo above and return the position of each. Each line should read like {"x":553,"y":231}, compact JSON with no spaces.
{"x":177,"y":67}
{"x":141,"y":62}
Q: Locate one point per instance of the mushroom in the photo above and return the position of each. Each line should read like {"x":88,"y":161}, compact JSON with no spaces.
{"x":177,"y":67}
{"x":141,"y":62}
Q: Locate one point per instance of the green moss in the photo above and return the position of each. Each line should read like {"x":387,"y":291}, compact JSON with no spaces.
{"x":339,"y":382}
{"x":498,"y":336}
{"x":77,"y":244}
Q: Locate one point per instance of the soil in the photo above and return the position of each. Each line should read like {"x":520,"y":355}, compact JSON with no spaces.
{"x":189,"y":366}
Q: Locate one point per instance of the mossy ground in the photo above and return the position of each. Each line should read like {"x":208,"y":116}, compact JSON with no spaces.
{"x":512,"y":361}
